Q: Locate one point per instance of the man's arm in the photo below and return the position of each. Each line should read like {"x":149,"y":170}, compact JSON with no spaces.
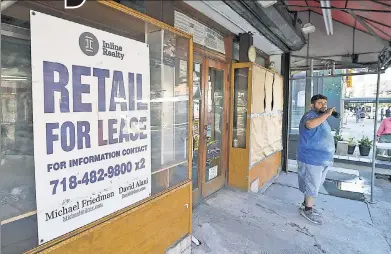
{"x":315,"y":122}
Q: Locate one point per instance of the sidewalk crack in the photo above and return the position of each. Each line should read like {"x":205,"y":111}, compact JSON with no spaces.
{"x":305,"y":231}
{"x":369,"y":211}
{"x":269,"y":210}
{"x":379,"y":230}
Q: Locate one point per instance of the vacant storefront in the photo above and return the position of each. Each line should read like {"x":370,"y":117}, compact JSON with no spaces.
{"x":95,"y":130}
{"x":211,"y":63}
{"x":213,"y":46}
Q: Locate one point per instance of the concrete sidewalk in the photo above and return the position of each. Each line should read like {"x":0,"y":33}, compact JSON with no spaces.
{"x":239,"y":222}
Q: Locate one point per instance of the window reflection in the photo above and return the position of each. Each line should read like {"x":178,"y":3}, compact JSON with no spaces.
{"x":17,"y":164}
{"x":298,"y":101}
{"x":197,"y":94}
{"x":215,"y":104}
{"x":17,"y":185}
{"x":169,"y":118}
{"x":169,"y":109}
{"x":240,"y":108}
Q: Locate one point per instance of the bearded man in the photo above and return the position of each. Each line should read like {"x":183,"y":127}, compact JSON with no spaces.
{"x":315,"y":154}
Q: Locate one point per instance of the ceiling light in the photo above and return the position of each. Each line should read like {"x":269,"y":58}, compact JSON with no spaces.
{"x":267,"y":3}
{"x":308,"y":28}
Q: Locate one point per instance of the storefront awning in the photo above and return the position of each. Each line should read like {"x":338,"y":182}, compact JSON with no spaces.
{"x":375,"y":13}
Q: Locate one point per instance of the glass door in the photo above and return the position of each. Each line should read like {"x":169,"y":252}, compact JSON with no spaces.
{"x":214,"y":169}
{"x":197,"y":130}
{"x":210,"y":125}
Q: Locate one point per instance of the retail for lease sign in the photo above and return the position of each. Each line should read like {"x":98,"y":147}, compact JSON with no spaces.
{"x":92,"y":145}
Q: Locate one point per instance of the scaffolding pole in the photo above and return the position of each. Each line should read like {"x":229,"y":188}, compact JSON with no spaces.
{"x":374,"y":133}
{"x":336,"y":75}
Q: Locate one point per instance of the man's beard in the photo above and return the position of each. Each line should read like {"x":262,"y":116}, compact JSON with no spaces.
{"x":321,"y":111}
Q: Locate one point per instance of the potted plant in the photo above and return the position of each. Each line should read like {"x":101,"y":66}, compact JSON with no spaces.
{"x":337,"y":138}
{"x":365,"y":145}
{"x":351,"y":145}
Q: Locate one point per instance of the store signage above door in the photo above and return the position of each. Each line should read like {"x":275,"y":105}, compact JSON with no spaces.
{"x":202,"y":34}
{"x":92,"y":145}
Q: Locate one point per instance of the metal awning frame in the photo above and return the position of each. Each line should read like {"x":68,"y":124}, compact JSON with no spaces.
{"x":384,"y":60}
{"x":339,"y":64}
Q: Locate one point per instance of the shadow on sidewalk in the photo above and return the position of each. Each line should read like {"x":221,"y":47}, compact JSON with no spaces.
{"x":232,"y":221}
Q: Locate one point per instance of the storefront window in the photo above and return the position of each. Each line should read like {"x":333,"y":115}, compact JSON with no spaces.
{"x":169,"y":108}
{"x":298,"y":101}
{"x":169,"y":93}
{"x":240,"y":108}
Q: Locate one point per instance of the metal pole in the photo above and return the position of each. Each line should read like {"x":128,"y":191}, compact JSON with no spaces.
{"x":369,"y":29}
{"x":333,"y":68}
{"x":336,"y":75}
{"x":0,"y":94}
{"x":374,"y":132}
{"x":336,"y":59}
{"x":286,"y":109}
{"x":312,"y":74}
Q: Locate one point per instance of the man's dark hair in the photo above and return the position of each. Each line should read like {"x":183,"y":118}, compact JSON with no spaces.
{"x":318,"y":97}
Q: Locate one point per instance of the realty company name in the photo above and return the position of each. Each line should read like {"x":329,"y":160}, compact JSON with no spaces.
{"x":90,"y":45}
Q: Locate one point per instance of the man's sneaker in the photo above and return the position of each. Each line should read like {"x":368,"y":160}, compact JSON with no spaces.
{"x":309,"y":215}
{"x":314,"y":211}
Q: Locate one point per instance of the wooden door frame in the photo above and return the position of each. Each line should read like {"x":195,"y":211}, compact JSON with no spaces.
{"x":204,"y":188}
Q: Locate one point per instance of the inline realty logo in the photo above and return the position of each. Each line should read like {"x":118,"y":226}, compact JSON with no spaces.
{"x":89,"y":45}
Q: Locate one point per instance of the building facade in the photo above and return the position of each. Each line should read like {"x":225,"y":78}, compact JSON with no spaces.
{"x":118,"y":117}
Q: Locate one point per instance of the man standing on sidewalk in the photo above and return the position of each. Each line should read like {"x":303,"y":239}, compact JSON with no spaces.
{"x":315,"y":154}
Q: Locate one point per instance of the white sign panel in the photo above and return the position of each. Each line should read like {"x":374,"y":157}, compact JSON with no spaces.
{"x":202,"y":34}
{"x":213,"y":172}
{"x":92,"y":146}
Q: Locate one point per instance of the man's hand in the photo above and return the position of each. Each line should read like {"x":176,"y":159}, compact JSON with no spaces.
{"x":315,"y":122}
{"x":330,"y":111}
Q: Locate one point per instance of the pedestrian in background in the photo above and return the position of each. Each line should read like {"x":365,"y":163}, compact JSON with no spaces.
{"x":384,"y":131}
{"x":358,"y":114}
{"x":362,"y":116}
{"x":384,"y":136}
{"x":388,"y":112}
